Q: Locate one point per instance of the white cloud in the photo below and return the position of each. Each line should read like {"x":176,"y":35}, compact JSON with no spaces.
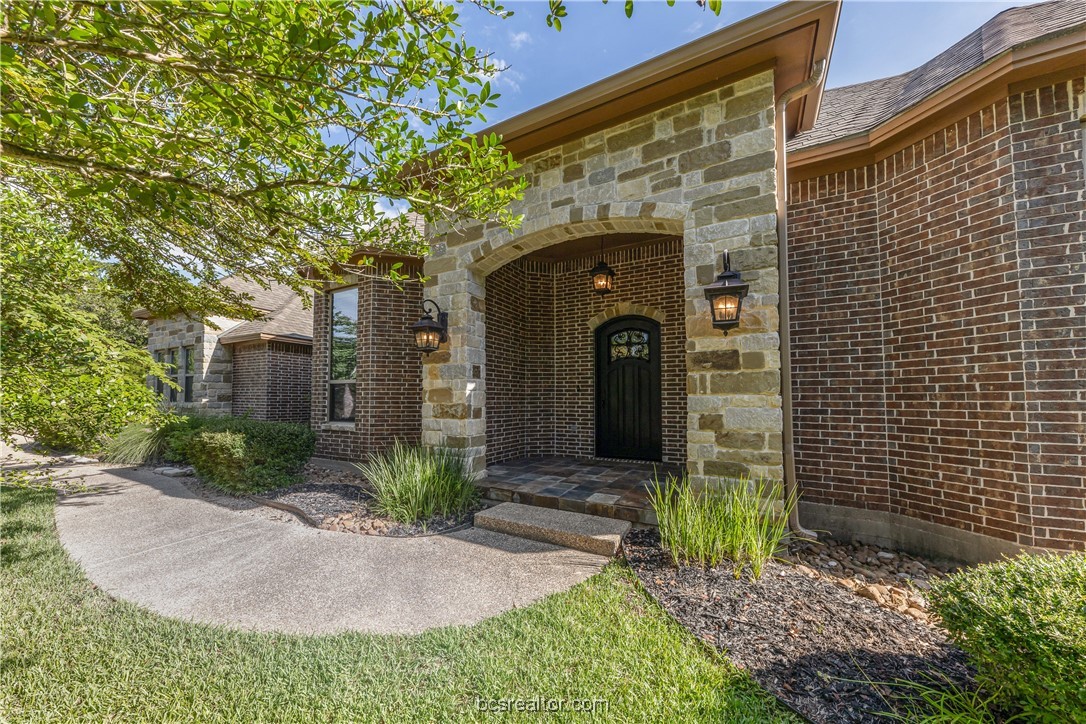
{"x":506,"y":78}
{"x":694,"y":27}
{"x":388,"y":207}
{"x":519,"y":40}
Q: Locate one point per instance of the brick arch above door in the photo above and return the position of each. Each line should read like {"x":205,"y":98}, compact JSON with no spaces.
{"x":626,"y":309}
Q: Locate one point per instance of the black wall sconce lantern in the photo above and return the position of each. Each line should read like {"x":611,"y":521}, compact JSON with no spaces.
{"x":430,"y":333}
{"x":725,"y":297}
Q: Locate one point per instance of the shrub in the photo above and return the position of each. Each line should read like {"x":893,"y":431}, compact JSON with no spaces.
{"x":1023,"y":623}
{"x":179,"y":434}
{"x":414,"y":483}
{"x":220,"y":458}
{"x":139,"y":443}
{"x":79,"y":412}
{"x":737,"y":523}
{"x":239,"y":455}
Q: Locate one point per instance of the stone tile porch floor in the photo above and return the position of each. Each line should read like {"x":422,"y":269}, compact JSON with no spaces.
{"x":608,"y":488}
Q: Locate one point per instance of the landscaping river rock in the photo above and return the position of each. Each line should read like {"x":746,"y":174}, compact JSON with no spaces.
{"x":891,"y":579}
{"x":830,"y":654}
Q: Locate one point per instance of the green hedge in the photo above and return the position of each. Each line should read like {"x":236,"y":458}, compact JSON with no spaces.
{"x":1023,"y":623}
{"x":239,"y":455}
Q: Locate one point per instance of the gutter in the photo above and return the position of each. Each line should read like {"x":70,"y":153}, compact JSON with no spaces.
{"x":791,"y":486}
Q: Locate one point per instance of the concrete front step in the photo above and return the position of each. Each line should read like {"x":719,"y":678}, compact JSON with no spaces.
{"x":588,"y":533}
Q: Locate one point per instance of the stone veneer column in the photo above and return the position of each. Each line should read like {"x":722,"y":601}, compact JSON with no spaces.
{"x":703,"y":169}
{"x":454,"y":395}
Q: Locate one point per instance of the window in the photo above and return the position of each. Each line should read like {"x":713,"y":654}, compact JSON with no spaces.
{"x":171,"y":366}
{"x":159,"y":385}
{"x":630,"y":344}
{"x":187,"y":373}
{"x":343,"y":353}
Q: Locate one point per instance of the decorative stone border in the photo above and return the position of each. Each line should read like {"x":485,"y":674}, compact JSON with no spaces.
{"x":623,"y":309}
{"x":301,"y":515}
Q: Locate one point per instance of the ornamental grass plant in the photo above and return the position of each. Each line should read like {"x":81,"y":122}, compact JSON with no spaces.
{"x":743,"y":522}
{"x":138,"y":443}
{"x":414,"y":483}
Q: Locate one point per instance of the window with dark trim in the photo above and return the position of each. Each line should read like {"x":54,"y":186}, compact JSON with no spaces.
{"x":160,"y":386}
{"x":343,"y":353}
{"x":187,"y":372}
{"x":171,"y":366}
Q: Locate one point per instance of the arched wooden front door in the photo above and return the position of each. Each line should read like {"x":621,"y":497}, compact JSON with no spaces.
{"x":628,"y":389}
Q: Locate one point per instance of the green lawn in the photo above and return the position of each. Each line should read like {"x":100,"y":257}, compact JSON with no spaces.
{"x":70,"y":652}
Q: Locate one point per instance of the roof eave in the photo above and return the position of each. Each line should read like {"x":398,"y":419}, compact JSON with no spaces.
{"x":264,"y":337}
{"x":790,"y":38}
{"x":1050,"y":54}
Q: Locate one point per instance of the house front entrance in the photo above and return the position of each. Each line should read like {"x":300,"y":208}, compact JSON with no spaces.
{"x":628,"y":415}
{"x":572,"y":374}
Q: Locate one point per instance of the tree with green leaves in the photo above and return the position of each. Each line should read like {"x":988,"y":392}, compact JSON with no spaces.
{"x":556,"y":9}
{"x":69,"y":378}
{"x":185,"y":141}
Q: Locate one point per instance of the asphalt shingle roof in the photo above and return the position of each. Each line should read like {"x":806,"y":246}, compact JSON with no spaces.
{"x":266,"y":300}
{"x":855,"y":109}
{"x":291,"y":321}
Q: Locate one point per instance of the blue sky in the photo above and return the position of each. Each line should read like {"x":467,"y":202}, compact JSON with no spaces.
{"x":875,"y":39}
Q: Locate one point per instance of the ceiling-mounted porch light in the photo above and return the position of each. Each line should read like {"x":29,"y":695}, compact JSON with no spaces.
{"x":430,"y":333}
{"x":603,"y":276}
{"x":725,"y":297}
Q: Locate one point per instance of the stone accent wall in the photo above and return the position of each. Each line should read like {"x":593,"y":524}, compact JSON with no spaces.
{"x":937,"y":320}
{"x":702,"y":170}
{"x":540,"y":375}
{"x":388,"y":398}
{"x":211,"y":392}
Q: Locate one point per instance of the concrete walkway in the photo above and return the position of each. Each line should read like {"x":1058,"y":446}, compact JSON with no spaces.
{"x":148,"y":539}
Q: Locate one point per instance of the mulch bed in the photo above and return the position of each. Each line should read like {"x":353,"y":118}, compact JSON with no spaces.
{"x":817,"y":646}
{"x":319,"y":501}
{"x":347,"y":507}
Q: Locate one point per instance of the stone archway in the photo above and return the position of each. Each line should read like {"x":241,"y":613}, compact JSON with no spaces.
{"x":570,"y":223}
{"x":454,"y":411}
{"x":685,"y":170}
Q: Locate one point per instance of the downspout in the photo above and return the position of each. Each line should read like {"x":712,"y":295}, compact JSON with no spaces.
{"x":790,"y":483}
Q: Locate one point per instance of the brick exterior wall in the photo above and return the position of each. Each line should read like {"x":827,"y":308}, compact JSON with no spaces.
{"x":1047,"y":151}
{"x":520,"y":374}
{"x":251,"y":378}
{"x":939,"y":347}
{"x":290,"y":381}
{"x":541,"y":349}
{"x":266,"y":381}
{"x":272,"y":381}
{"x":702,"y":170}
{"x":388,"y":398}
